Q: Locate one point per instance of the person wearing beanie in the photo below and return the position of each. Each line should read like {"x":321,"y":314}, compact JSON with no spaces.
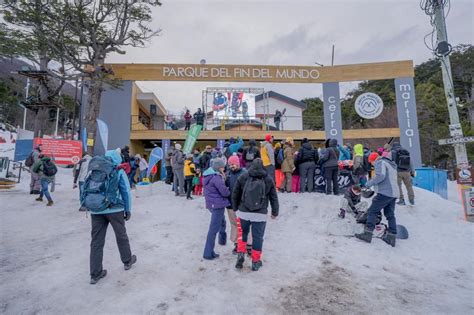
{"x":189,"y":171}
{"x":252,"y":194}
{"x":216,"y":194}
{"x":329,"y":166}
{"x":268,"y":156}
{"x":178,"y":173}
{"x":251,"y":153}
{"x":351,"y":202}
{"x":386,"y":188}
{"x":232,"y":175}
{"x":360,"y":165}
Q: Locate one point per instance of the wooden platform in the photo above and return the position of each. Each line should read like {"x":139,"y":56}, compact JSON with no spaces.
{"x":260,"y":134}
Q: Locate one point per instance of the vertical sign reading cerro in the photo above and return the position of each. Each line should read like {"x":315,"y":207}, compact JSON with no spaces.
{"x":332,"y":111}
{"x":64,"y":152}
{"x":407,"y":118}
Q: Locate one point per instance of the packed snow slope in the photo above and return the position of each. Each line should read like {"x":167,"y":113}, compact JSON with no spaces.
{"x":44,"y":265}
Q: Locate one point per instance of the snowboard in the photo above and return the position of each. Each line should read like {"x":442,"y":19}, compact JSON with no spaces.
{"x":348,"y":228}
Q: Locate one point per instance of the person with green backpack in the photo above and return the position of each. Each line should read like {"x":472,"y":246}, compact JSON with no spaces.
{"x":45,"y":169}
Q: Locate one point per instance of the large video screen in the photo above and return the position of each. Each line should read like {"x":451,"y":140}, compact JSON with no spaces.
{"x":233,"y":105}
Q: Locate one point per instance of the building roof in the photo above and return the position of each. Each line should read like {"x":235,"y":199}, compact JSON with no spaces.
{"x":283,"y":98}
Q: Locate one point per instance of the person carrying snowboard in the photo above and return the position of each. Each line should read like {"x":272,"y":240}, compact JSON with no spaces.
{"x":217,"y":195}
{"x":386,"y":188}
{"x":108,"y":198}
{"x":252,"y":193}
{"x":351,"y":202}
{"x":45,"y":169}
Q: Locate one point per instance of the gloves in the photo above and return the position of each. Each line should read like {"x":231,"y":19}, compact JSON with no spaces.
{"x":127,"y":215}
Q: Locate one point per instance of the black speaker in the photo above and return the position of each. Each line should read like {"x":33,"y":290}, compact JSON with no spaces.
{"x":153,"y":109}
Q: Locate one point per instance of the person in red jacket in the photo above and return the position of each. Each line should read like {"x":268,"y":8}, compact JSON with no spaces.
{"x":187,"y":119}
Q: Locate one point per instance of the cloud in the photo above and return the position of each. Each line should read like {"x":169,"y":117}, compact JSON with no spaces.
{"x":282,"y":32}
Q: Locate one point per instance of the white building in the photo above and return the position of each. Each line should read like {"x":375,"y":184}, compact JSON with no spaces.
{"x":266,"y":105}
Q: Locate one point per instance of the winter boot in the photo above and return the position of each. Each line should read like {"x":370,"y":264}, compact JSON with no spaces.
{"x":342,"y":214}
{"x":39,"y":199}
{"x":412,"y":202}
{"x":389,"y":238}
{"x":189,"y":198}
{"x":128,"y":265}
{"x":365,"y":236}
{"x":96,"y":279}
{"x":401,"y":202}
{"x":222,"y":239}
{"x":240,"y":260}
{"x":50,"y":203}
{"x":234,"y":251}
{"x":256,"y":261}
{"x":82,"y":208}
{"x":256,"y":265}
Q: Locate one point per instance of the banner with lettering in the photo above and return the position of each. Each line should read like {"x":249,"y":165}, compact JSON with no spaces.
{"x":63,"y":152}
{"x":191,"y":138}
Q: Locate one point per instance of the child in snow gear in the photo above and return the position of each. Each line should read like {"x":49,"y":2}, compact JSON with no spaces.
{"x":197,"y":183}
{"x":351,"y":202}
{"x":103,"y":175}
{"x":232,"y":175}
{"x":387,"y":191}
{"x":405,"y":172}
{"x":45,"y":169}
{"x":189,"y":172}
{"x":250,"y":198}
{"x":217,"y":198}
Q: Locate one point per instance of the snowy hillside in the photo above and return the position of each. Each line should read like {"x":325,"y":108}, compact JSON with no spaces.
{"x":44,"y":265}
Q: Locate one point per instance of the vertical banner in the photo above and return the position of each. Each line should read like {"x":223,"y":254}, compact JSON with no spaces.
{"x":191,"y":138}
{"x":155,"y":156}
{"x":408,"y":119}
{"x":220,"y":143}
{"x":165,"y":144}
{"x":332,"y":111}
{"x":84,"y":139}
{"x":103,"y":133}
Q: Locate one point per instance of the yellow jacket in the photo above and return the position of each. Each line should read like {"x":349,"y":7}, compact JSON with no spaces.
{"x":189,"y":168}
{"x":267,"y":154}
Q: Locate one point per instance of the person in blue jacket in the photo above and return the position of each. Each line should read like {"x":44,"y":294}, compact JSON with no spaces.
{"x":116,"y":216}
{"x":234,"y":147}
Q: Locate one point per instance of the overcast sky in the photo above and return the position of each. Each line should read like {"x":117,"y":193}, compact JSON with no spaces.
{"x":292,"y":32}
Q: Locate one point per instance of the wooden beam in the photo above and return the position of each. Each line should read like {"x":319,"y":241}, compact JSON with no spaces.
{"x":260,"y":135}
{"x":262,"y":73}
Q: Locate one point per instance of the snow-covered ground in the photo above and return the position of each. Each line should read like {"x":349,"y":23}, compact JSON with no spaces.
{"x":44,"y":266}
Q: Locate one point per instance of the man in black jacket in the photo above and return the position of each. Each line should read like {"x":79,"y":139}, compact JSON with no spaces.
{"x":329,"y":166}
{"x":307,"y":158}
{"x":205,"y":158}
{"x":253,"y":192}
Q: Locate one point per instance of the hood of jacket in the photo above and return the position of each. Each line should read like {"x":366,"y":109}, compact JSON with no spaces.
{"x":252,"y":142}
{"x":210,"y":171}
{"x":115,"y":156}
{"x":257,"y":170}
{"x":333,"y":143}
{"x":307,"y":146}
{"x":396,"y":146}
{"x":359,"y":149}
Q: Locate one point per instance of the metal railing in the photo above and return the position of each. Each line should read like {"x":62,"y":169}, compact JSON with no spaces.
{"x":177,"y":122}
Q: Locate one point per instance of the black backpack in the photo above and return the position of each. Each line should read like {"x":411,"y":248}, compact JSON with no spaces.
{"x":253,"y":196}
{"x":403,"y":160}
{"x":250,"y":155}
{"x":29,"y":160}
{"x":49,"y":168}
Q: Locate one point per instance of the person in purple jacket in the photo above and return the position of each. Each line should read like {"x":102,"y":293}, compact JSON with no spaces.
{"x":217,"y":198}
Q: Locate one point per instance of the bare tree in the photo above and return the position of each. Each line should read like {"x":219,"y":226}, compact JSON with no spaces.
{"x":94,"y":29}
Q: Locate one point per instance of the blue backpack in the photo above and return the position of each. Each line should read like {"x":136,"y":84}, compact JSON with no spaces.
{"x":101,"y":185}
{"x":280,"y":156}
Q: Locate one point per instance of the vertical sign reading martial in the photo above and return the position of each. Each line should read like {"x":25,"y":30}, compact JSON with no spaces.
{"x":332,"y":111}
{"x":407,"y":118}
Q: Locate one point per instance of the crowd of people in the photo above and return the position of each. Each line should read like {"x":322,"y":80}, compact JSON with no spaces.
{"x":244,"y":179}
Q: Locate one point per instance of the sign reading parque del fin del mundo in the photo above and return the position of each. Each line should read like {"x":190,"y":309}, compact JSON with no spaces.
{"x":261,"y":73}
